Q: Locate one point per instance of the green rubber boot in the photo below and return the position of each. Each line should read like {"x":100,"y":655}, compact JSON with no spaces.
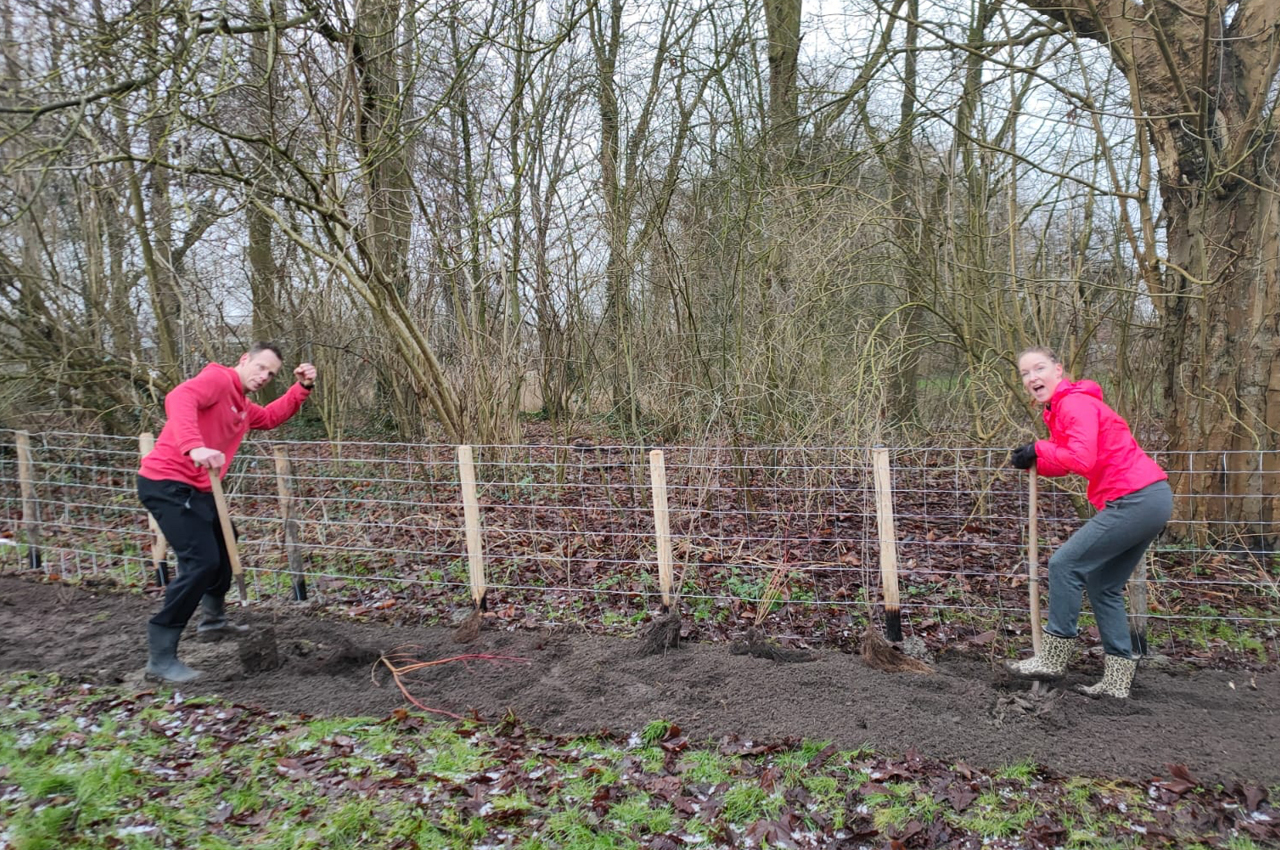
{"x":1050,"y":663}
{"x":163,"y":663}
{"x":215,"y":625}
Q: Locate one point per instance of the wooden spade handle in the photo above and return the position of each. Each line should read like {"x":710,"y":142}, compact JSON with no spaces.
{"x":224,"y":519}
{"x":1033,"y":557}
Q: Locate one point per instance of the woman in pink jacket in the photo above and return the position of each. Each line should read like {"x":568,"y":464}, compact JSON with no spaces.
{"x":1134,"y":501}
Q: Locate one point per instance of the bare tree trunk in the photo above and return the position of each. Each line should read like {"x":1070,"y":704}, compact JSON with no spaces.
{"x":384,"y":238}
{"x":94,"y":284}
{"x":606,"y":30}
{"x":467,"y":183}
{"x":1221,"y":303}
{"x":121,"y":311}
{"x":910,"y":226}
{"x":1203,"y":83}
{"x":264,"y":276}
{"x":782,"y":23}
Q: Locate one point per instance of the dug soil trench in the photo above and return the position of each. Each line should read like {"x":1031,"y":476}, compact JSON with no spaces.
{"x":1222,"y":725}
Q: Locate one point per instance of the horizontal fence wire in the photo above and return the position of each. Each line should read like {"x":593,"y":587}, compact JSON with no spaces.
{"x":568,"y":533}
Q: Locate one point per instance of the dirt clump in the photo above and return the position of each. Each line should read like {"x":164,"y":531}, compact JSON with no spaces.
{"x":341,"y":656}
{"x":879,"y":654}
{"x":259,"y":652}
{"x":662,"y":634}
{"x":469,"y":630}
{"x":757,"y":645}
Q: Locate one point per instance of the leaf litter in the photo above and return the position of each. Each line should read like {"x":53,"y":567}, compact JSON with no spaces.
{"x":205,"y":769}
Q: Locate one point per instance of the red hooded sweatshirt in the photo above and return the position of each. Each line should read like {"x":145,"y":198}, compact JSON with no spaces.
{"x":1090,"y":439}
{"x":211,"y":410}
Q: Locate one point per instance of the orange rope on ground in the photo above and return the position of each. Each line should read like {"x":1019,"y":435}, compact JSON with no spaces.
{"x":400,"y":663}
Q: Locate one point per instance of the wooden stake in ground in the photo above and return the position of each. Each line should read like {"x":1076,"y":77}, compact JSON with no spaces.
{"x":1138,"y":606}
{"x":159,"y":546}
{"x":228,"y":535}
{"x":1033,"y":558}
{"x":293,"y":552}
{"x":888,"y":543}
{"x":30,"y":508}
{"x":470,"y":628}
{"x":662,"y":525}
{"x":664,"y":632}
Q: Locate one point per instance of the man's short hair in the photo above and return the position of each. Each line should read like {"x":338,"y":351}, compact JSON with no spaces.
{"x":260,"y":346}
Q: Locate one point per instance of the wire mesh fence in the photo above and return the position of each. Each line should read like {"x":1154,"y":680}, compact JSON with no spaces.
{"x":568,"y":534}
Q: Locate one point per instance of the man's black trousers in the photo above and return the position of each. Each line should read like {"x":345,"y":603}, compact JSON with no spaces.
{"x":189,"y":520}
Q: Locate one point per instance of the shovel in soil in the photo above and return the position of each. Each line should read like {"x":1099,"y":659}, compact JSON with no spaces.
{"x":228,"y":535}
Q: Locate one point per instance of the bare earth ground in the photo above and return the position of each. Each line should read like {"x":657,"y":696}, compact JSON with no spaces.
{"x":1222,"y":725}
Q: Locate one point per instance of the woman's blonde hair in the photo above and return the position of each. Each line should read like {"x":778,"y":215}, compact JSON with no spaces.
{"x":1039,"y":349}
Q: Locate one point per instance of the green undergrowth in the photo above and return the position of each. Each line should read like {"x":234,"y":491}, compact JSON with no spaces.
{"x":85,"y":766}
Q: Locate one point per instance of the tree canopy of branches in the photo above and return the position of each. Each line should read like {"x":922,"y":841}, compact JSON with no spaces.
{"x":749,"y":221}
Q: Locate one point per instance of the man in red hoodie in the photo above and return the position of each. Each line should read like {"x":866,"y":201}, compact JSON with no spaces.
{"x":1134,"y":501}
{"x":208,"y":416}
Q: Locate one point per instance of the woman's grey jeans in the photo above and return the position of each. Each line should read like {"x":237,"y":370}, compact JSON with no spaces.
{"x":1099,"y":558}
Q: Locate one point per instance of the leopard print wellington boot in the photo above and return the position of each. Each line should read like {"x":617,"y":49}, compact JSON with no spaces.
{"x":1049,"y":663}
{"x":1117,"y":677}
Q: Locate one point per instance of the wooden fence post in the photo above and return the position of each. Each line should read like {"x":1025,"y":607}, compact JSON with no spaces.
{"x":159,"y":546}
{"x":1033,"y":558}
{"x":30,"y":508}
{"x":284,"y":472}
{"x":471,"y":513}
{"x":1139,"y":606}
{"x":888,"y":543}
{"x":662,"y":525}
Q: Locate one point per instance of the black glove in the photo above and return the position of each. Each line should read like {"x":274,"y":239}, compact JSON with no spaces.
{"x":1023,"y":456}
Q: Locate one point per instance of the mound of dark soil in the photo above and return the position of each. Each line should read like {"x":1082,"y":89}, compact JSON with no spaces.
{"x":1222,"y":725}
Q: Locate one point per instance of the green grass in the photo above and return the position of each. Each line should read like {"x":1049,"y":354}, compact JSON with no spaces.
{"x":707,"y":767}
{"x":744,"y":804}
{"x":514,"y":803}
{"x":993,"y":816}
{"x":640,"y":814}
{"x":454,"y":757}
{"x":95,"y":767}
{"x":574,"y":829}
{"x":1023,"y":771}
{"x":899,"y":805}
{"x":655,"y":731}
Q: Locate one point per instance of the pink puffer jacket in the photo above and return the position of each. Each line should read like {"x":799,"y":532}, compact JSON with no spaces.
{"x":1089,"y":438}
